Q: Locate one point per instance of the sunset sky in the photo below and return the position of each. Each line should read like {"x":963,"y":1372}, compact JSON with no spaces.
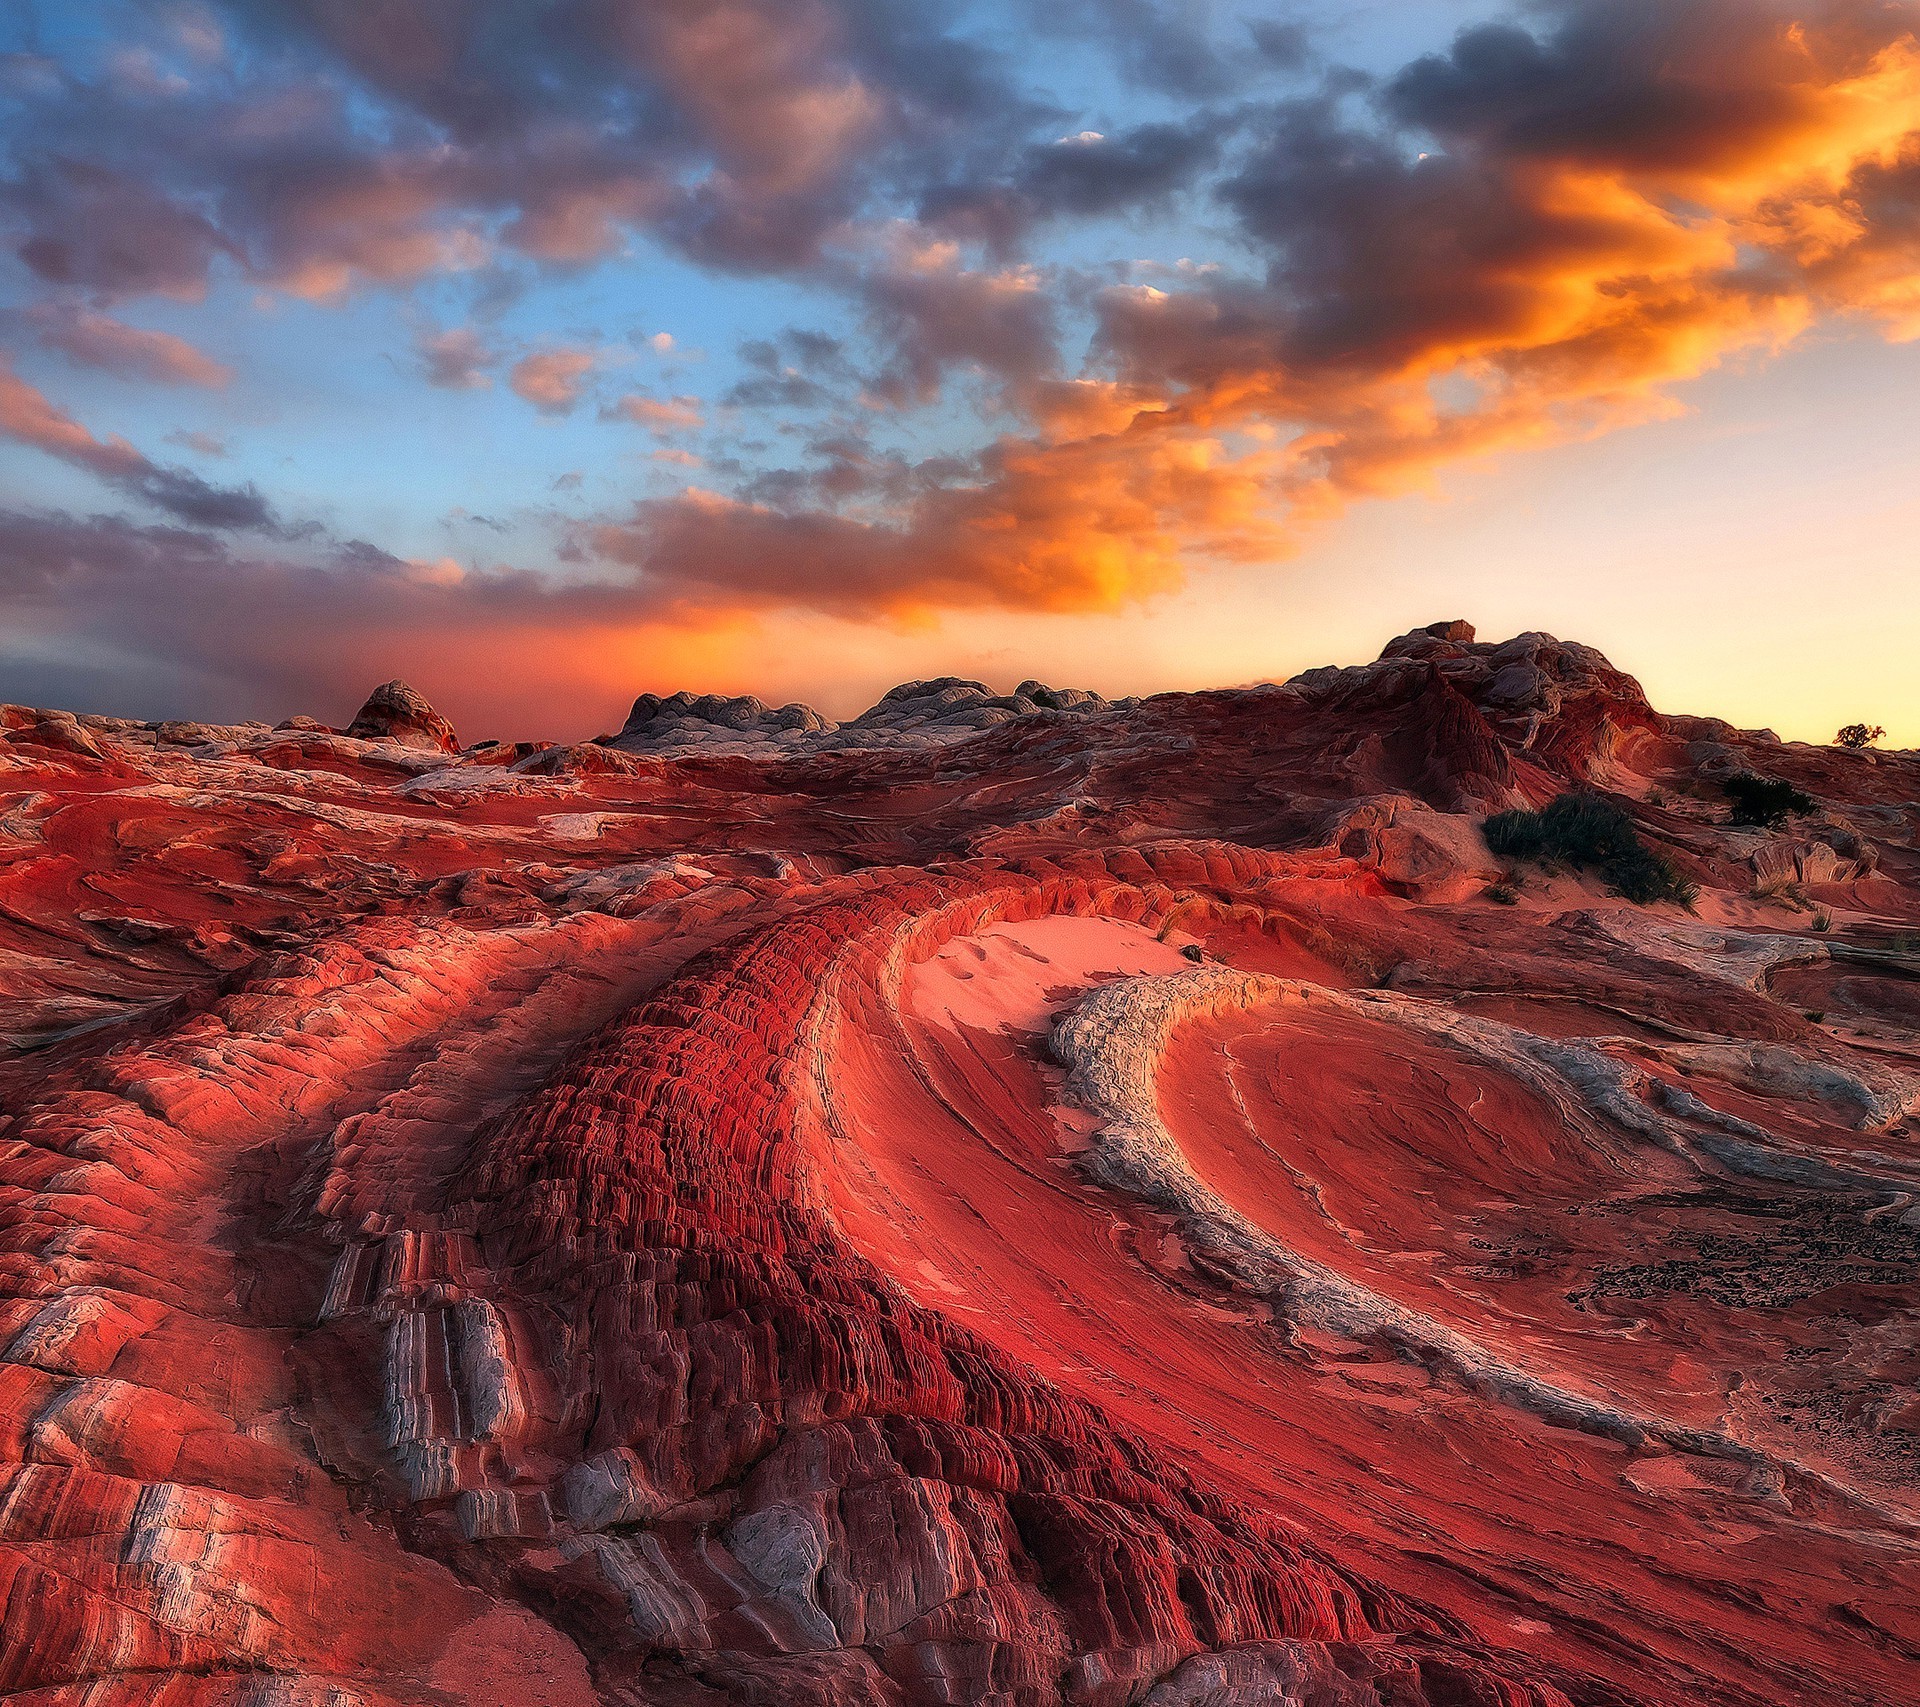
{"x":546,"y":353}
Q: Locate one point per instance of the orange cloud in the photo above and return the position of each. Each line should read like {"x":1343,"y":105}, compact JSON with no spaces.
{"x":1611,"y":211}
{"x":1085,"y":525}
{"x":98,"y":340}
{"x":27,"y":415}
{"x":551,"y":380}
{"x":660,"y":414}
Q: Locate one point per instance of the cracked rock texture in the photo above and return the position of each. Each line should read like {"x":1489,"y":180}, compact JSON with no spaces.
{"x":1009,"y":1199}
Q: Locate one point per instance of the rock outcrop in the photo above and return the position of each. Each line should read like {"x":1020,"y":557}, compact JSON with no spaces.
{"x":1026,"y":1200}
{"x":915,"y":714}
{"x":395,"y":712}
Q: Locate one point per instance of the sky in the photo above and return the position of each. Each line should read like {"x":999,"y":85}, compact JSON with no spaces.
{"x":550,"y":352}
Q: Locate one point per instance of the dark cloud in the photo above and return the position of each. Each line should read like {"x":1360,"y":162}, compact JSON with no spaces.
{"x":1172,"y":46}
{"x":104,"y":230}
{"x":188,"y":498}
{"x":1285,"y":46}
{"x":1082,"y":175}
{"x":455,"y":360}
{"x":802,"y":370}
{"x":1643,"y":85}
{"x":1102,"y":174}
{"x":932,"y":314}
{"x":786,"y":389}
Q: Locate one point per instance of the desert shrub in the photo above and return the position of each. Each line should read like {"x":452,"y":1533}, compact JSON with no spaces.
{"x":1764,"y":800}
{"x":1516,"y":835}
{"x":1591,"y":833}
{"x":1859,"y":735}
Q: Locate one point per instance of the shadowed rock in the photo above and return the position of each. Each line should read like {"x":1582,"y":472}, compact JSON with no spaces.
{"x":396,"y":712}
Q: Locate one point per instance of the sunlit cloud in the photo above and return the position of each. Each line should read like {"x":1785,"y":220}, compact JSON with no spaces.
{"x":1070,"y":361}
{"x":133,"y":352}
{"x":551,"y":380}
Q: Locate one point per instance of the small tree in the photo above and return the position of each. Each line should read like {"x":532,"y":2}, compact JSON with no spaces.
{"x":1859,"y":735}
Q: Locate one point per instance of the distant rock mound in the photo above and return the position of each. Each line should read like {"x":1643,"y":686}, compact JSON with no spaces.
{"x":686,"y":721}
{"x":1554,"y":700}
{"x":951,"y":707}
{"x":395,"y":712}
{"x":915,"y":714}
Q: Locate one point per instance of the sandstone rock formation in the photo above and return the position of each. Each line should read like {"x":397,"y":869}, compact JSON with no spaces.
{"x":915,"y":714}
{"x":1012,"y":1199}
{"x":395,"y":712}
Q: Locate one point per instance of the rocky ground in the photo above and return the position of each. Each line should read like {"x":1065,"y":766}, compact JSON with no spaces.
{"x":1009,"y":1199}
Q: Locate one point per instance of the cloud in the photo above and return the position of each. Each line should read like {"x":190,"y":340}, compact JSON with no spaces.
{"x":1613,"y":208}
{"x":132,"y":352}
{"x":1169,"y":46}
{"x":27,"y":416}
{"x":802,"y":370}
{"x":1081,"y":176}
{"x":100,"y":228}
{"x":1095,"y":174}
{"x":326,"y":147}
{"x":661,"y":414}
{"x":202,"y":628}
{"x":552,"y":380}
{"x":205,"y":444}
{"x":455,"y":360}
{"x":1089,"y":525}
{"x":1541,"y":232}
{"x":934,"y":313}
{"x":1550,"y":269}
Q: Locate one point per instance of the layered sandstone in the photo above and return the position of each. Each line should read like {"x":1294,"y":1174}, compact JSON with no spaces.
{"x":1013,"y":1199}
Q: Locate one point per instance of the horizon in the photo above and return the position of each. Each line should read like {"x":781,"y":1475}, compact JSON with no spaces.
{"x":852,"y":705}
{"x":543,"y":357}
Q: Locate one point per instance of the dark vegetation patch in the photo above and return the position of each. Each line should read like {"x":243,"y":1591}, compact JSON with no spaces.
{"x":1764,"y":800}
{"x":1590,"y":833}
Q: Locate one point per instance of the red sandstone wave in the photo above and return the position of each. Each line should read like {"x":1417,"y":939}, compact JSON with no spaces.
{"x":533,"y":1224}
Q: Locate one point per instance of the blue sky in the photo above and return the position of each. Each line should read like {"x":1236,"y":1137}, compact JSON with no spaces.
{"x":546,"y":354}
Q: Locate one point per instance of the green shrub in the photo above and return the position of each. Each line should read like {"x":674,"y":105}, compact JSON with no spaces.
{"x":1591,"y":833}
{"x":1765,"y":800}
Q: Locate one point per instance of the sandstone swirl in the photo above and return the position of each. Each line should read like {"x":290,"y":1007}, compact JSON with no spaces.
{"x":1008,"y":1199}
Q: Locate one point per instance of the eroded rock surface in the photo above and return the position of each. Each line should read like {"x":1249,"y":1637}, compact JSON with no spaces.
{"x":913,"y":715}
{"x":1012,"y":1199}
{"x":396,"y":712}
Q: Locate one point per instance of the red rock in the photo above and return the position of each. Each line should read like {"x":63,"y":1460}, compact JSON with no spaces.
{"x":549,"y":1225}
